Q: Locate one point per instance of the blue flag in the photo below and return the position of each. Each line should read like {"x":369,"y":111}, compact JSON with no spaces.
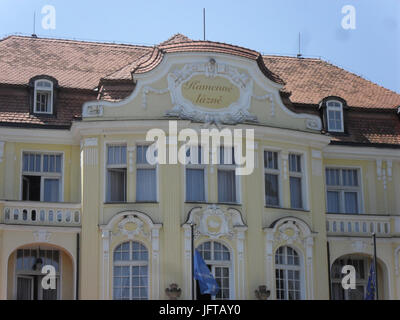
{"x":370,"y":295}
{"x":207,"y":283}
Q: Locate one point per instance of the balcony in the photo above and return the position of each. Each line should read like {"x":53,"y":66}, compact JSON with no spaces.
{"x":360,"y":224}
{"x":40,"y":213}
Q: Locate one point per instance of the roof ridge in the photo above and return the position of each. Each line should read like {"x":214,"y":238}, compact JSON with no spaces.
{"x":171,"y":40}
{"x":290,"y":57}
{"x":126,"y":65}
{"x":88,"y":42}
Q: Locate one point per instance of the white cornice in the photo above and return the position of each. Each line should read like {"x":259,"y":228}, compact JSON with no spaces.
{"x":47,"y":136}
{"x":18,"y":227}
{"x":360,"y":153}
{"x":87,"y":128}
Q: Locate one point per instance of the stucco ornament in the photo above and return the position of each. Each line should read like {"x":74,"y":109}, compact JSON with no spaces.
{"x":289,"y":232}
{"x":131,"y":226}
{"x":185,"y":108}
{"x":214,"y":222}
{"x":42,"y":236}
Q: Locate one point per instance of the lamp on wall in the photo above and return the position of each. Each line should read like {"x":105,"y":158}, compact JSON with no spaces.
{"x":262,"y":293}
{"x":173,"y":292}
{"x":39,"y":262}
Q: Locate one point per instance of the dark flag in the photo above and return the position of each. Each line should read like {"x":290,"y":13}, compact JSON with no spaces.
{"x":207,"y":283}
{"x":370,"y":295}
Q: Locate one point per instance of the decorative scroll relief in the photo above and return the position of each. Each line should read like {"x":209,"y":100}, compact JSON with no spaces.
{"x":92,"y":111}
{"x":289,"y":231}
{"x":213,"y":222}
{"x":132,"y":226}
{"x":210,"y":92}
{"x":42,"y":236}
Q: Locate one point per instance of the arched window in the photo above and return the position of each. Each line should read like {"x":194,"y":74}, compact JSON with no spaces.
{"x":362,"y":266}
{"x":218,"y":259}
{"x":287,"y":274}
{"x":130,"y":276}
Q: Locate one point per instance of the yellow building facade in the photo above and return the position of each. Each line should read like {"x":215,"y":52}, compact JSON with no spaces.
{"x":86,"y":200}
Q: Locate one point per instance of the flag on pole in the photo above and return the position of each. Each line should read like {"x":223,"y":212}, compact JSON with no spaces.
{"x":370,"y":295}
{"x":207,"y":283}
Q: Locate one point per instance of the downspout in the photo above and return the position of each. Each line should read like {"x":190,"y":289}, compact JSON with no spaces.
{"x":77,"y":267}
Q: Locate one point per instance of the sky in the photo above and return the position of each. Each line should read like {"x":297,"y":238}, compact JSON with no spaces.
{"x":370,"y":48}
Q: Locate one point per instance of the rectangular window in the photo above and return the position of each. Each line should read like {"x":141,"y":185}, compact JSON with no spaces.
{"x":227,"y":179}
{"x":271,"y":176}
{"x":41,"y":177}
{"x":195,"y":176}
{"x":334,"y":111}
{"x":116,"y":173}
{"x":146,"y":177}
{"x":343,"y":190}
{"x":43,"y":96}
{"x":296,"y":181}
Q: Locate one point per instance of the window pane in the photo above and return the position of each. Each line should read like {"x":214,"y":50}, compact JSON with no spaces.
{"x":226,"y":155}
{"x":296,"y":197}
{"x":294,"y":163}
{"x":226,"y":186}
{"x":333,"y":202}
{"x":51,"y":190}
{"x":271,"y":160}
{"x":350,"y":177}
{"x":351,"y":202}
{"x":193,"y":154}
{"x":116,"y":155}
{"x":141,"y":154}
{"x":271,"y":189}
{"x":146,"y":185}
{"x":195,"y":185}
{"x":116,"y":185}
{"x":332,"y":177}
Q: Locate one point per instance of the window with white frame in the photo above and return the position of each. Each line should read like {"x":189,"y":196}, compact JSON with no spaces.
{"x":131,"y":272}
{"x":146,"y":177}
{"x":42,"y":176}
{"x":29,"y":276}
{"x":227,"y":179}
{"x":296,"y":181}
{"x":287,"y":274}
{"x":361,"y":265}
{"x":218,"y":259}
{"x":195,"y":175}
{"x":334,"y":113}
{"x":116,"y":173}
{"x":271,"y":176}
{"x":43,"y":96}
{"x":343,"y":190}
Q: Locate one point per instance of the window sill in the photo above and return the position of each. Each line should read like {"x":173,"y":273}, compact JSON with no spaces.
{"x":358,"y":214}
{"x":283,"y":208}
{"x":125,"y":202}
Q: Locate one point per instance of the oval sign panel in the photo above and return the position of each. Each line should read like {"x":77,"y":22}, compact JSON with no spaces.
{"x":211,"y":93}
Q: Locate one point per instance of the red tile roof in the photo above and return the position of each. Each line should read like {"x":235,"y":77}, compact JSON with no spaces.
{"x":311,"y":80}
{"x":88,"y":65}
{"x":75,"y":64}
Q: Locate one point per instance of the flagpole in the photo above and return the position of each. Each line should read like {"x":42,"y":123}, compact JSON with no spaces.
{"x":192,"y":238}
{"x":376,"y":268}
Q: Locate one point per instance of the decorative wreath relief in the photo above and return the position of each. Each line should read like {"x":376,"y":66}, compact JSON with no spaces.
{"x":131,"y":226}
{"x":211,"y":93}
{"x":289,"y":232}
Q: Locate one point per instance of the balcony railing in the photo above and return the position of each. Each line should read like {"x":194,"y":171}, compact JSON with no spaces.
{"x":358,"y":224}
{"x":41,"y":213}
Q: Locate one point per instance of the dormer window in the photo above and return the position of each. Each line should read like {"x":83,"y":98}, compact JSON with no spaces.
{"x":334,"y":112}
{"x":43,"y":96}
